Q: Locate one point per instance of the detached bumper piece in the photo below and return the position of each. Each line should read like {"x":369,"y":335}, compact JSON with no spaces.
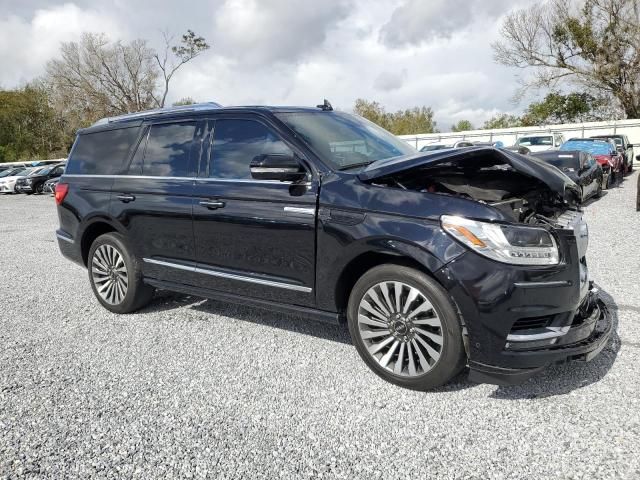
{"x":582,"y":340}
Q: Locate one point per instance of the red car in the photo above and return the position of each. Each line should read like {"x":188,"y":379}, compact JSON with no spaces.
{"x":605,"y":153}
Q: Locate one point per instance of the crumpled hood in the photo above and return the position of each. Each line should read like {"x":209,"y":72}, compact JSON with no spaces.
{"x":526,"y":165}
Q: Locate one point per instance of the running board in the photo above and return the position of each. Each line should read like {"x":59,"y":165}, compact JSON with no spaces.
{"x":306,"y":312}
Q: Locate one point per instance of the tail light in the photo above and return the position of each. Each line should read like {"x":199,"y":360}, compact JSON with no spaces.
{"x":61,"y":192}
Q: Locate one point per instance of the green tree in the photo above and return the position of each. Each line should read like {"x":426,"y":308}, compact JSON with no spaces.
{"x":401,"y":122}
{"x":503,"y":120}
{"x":462,"y":126}
{"x":595,"y":43}
{"x":559,"y":108}
{"x":29,"y":127}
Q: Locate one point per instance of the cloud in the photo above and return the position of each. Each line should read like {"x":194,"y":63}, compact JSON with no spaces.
{"x":261,"y":32}
{"x":418,"y":21}
{"x":401,"y":53}
{"x":389,"y":81}
{"x":26,"y":46}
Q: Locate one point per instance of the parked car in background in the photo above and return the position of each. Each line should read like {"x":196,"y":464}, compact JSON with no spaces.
{"x":34,"y":182}
{"x":8,"y":172}
{"x":8,"y":183}
{"x":50,"y":185}
{"x":624,"y":146}
{"x":539,"y":143}
{"x":580,"y":167}
{"x":604,"y":152}
{"x":470,"y":256}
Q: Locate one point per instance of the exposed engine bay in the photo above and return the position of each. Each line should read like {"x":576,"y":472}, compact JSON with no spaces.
{"x":488,"y":179}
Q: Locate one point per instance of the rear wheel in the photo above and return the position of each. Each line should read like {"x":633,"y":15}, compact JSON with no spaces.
{"x":116,"y":276}
{"x":405,"y":327}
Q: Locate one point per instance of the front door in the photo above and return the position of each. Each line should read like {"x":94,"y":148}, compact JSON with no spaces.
{"x":253,"y":238}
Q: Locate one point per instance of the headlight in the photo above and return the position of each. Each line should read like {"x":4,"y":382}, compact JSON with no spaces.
{"x":28,"y":181}
{"x":504,"y":243}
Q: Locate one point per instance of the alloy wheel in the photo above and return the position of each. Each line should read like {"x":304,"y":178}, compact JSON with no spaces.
{"x":109,"y":273}
{"x":400,"y":328}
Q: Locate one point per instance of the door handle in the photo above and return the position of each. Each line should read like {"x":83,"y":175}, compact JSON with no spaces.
{"x":212,"y":204}
{"x":126,"y":198}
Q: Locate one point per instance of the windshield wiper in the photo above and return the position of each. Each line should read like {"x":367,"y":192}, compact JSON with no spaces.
{"x":356,"y":165}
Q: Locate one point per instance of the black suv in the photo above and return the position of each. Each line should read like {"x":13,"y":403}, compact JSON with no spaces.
{"x":436,"y":260}
{"x":35,"y":183}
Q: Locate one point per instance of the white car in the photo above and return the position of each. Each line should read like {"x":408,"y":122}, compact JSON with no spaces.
{"x":8,"y":183}
{"x":540,"y":143}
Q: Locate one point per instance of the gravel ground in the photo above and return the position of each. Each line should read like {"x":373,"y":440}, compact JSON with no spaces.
{"x":192,"y":388}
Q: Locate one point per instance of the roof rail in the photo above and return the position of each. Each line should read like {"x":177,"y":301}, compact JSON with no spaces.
{"x":195,"y":107}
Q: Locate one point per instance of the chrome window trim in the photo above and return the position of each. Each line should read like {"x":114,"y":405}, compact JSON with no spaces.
{"x":199,"y":179}
{"x":230,"y":276}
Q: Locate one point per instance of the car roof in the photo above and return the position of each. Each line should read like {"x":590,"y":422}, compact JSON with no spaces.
{"x":199,"y":108}
{"x":591,"y":139}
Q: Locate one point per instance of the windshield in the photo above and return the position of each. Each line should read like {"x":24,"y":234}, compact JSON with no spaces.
{"x":564,"y":161}
{"x":43,"y":171}
{"x":345,"y":141}
{"x":594,"y":148}
{"x":617,"y":140}
{"x":8,"y":173}
{"x":533,"y":141}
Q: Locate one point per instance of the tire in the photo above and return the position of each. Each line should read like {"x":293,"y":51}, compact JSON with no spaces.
{"x":115,"y":275}
{"x":433,"y":363}
{"x":608,"y":183}
{"x":39,"y":189}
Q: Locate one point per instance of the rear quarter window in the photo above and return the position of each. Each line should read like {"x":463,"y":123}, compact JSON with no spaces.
{"x":103,"y":152}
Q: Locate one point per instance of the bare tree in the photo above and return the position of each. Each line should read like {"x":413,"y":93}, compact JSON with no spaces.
{"x":595,"y":43}
{"x":104,"y":78}
{"x":189,"y":48}
{"x":96,"y":78}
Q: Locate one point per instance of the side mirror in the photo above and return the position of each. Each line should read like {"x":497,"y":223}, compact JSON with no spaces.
{"x":284,"y":168}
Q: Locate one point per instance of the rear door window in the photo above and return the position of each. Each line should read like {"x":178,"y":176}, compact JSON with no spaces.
{"x":103,"y":152}
{"x":168,"y":150}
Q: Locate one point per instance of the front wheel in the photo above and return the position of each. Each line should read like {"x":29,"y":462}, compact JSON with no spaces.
{"x":116,"y":276}
{"x":405,"y":327}
{"x":599,"y":190}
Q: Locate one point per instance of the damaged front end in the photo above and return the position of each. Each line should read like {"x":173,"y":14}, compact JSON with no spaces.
{"x":522,"y":188}
{"x":522,"y":287}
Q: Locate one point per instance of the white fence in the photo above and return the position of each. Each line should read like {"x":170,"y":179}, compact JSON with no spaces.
{"x":508,"y":136}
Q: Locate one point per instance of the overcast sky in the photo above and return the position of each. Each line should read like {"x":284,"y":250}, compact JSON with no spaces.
{"x":402,"y":53}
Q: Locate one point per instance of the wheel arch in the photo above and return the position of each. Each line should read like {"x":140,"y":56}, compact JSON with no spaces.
{"x":93,"y":229}
{"x":400,"y":254}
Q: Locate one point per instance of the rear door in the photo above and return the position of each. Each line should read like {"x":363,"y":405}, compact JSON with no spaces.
{"x":253,"y":238}
{"x":153,"y":200}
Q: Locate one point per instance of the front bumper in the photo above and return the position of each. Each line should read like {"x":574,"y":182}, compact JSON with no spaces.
{"x":24,"y":188}
{"x":7,"y":188}
{"x":520,"y":319}
{"x":582,"y":342}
